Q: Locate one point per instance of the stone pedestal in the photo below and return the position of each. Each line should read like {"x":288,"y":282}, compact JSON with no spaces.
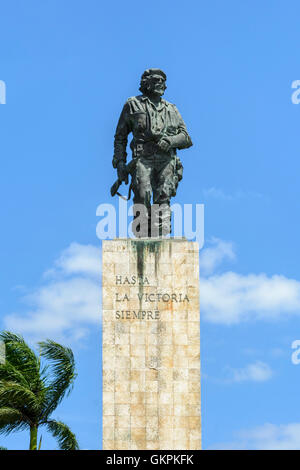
{"x":151,"y":344}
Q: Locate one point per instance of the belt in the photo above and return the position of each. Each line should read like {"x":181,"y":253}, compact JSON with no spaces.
{"x":145,"y":149}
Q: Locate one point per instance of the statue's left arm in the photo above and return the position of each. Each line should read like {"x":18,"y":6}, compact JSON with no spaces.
{"x":182,"y":139}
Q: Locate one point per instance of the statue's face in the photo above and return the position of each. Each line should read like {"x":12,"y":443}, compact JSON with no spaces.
{"x":157,"y":85}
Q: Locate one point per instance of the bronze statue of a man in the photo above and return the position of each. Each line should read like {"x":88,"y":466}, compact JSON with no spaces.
{"x":158,"y":131}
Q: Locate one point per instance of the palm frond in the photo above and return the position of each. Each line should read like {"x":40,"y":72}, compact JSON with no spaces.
{"x":65,"y":438}
{"x":15,"y":395}
{"x":11,"y":420}
{"x":9,"y":373}
{"x":21,"y":356}
{"x":62,"y":372}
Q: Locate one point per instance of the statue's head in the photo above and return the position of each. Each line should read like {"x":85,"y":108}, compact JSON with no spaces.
{"x":153,"y":82}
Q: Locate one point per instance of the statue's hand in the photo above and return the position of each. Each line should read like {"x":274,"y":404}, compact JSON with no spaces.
{"x":164,"y":145}
{"x":122,"y":173}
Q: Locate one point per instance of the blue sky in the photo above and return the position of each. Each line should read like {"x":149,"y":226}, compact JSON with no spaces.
{"x":69,"y":67}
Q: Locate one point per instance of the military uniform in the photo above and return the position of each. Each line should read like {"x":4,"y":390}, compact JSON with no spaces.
{"x":155,"y":172}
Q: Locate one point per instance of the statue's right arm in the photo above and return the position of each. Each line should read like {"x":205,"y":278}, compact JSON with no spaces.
{"x":121,"y":136}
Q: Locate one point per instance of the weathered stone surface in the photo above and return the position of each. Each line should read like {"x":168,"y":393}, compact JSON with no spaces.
{"x":151,"y":344}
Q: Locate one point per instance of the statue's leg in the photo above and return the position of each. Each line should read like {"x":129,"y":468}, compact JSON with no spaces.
{"x":142,"y":189}
{"x":163,"y":189}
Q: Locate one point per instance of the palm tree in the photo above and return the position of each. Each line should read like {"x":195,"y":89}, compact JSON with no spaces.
{"x":30,"y":391}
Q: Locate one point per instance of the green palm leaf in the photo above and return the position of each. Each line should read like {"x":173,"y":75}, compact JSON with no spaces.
{"x":21,"y":357}
{"x":66,"y":439}
{"x":15,"y":395}
{"x":62,"y":372}
{"x":9,"y":373}
{"x":11,"y":420}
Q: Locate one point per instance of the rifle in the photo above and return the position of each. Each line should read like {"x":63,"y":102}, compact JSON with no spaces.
{"x":115,"y":187}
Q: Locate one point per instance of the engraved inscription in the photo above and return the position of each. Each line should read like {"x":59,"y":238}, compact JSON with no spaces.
{"x":151,"y":297}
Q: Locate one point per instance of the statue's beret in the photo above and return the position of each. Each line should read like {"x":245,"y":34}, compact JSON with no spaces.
{"x":149,"y":72}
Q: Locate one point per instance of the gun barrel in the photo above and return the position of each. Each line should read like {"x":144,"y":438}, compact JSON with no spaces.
{"x":115,"y":187}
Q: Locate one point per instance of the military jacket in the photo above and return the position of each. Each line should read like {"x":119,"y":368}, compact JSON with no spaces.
{"x":148,"y":124}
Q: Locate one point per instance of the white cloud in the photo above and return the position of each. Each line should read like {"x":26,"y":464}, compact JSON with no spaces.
{"x":217,"y":193}
{"x":78,"y":259}
{"x":266,"y":437}
{"x":257,"y":372}
{"x":230,"y":298}
{"x":277,"y":352}
{"x":212,"y":256}
{"x":68,"y":303}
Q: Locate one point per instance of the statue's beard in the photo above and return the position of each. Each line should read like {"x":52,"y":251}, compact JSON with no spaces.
{"x":155,"y":90}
